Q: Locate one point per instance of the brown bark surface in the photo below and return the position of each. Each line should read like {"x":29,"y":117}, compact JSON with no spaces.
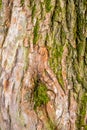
{"x":43,"y":65}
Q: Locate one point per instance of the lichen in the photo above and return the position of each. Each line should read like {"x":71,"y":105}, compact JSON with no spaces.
{"x":40,"y":94}
{"x":36,"y":29}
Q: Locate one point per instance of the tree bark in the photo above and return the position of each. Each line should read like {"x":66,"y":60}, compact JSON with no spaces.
{"x":43,"y":43}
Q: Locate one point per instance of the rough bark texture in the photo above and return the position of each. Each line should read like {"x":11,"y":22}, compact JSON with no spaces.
{"x":43,"y":44}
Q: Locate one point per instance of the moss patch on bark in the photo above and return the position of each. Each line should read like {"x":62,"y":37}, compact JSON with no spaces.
{"x":0,"y":4}
{"x":81,"y":121}
{"x":33,"y":11}
{"x":26,"y":60}
{"x":55,"y":60}
{"x":36,"y":29}
{"x":47,"y":5}
{"x":40,"y":94}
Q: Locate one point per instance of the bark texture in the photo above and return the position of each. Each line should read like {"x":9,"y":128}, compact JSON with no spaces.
{"x":43,"y":65}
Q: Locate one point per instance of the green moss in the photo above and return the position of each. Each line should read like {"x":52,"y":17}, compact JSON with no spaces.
{"x":81,"y":41}
{"x":79,"y":78}
{"x":81,"y":21}
{"x":31,"y":2}
{"x":82,"y":112}
{"x":47,"y":5}
{"x":55,"y":60}
{"x":81,"y":53}
{"x":36,"y":29}
{"x":33,"y":11}
{"x":22,"y":2}
{"x":85,"y":127}
{"x":0,"y":4}
{"x":56,"y":17}
{"x":41,"y":7}
{"x":74,"y":32}
{"x":40,"y":94}
{"x":46,"y":41}
{"x":86,"y":54}
{"x":50,"y":125}
{"x":85,"y":2}
{"x":63,"y":35}
{"x":80,"y":26}
{"x":81,"y":49}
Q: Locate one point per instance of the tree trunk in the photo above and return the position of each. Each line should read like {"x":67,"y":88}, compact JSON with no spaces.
{"x":43,"y":65}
